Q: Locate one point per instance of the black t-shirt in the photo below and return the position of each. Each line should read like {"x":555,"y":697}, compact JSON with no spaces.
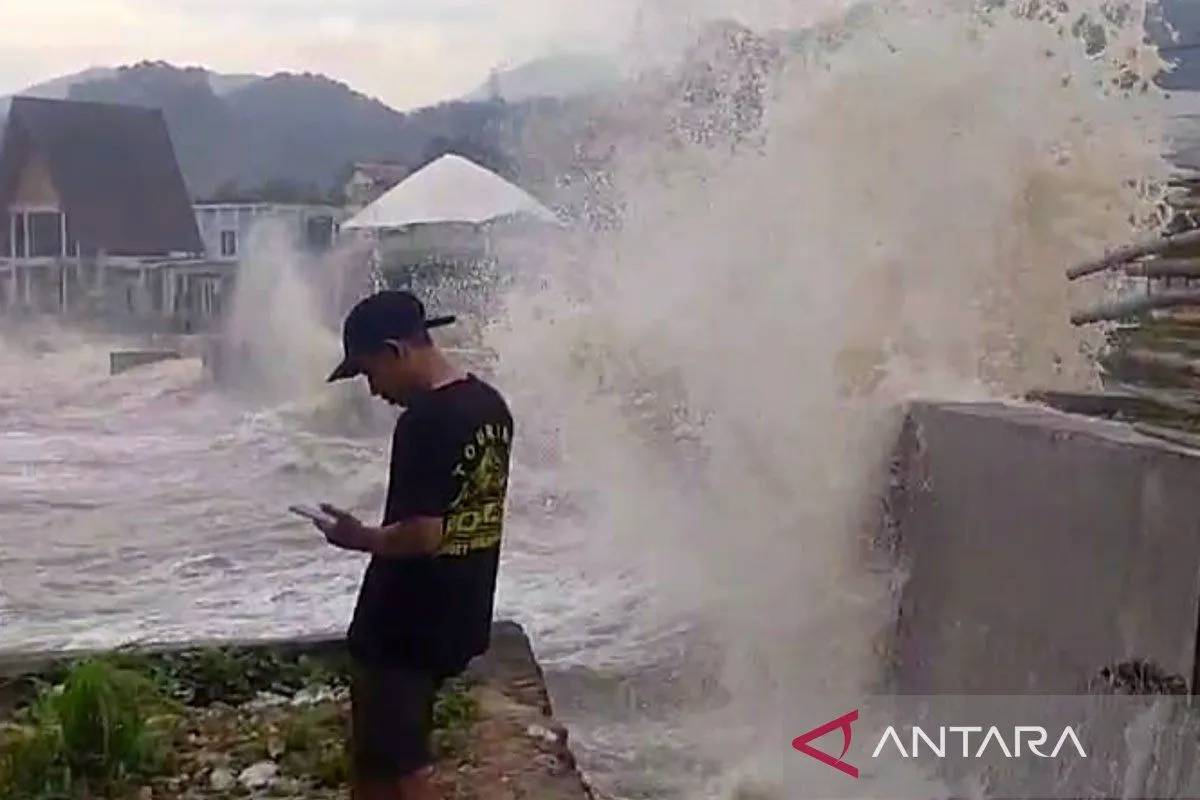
{"x":450,"y":459}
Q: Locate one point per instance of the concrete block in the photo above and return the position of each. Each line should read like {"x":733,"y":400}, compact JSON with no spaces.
{"x":1041,"y":547}
{"x":125,"y":360}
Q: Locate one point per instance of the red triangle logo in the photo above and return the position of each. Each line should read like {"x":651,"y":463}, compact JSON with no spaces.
{"x":843,"y":723}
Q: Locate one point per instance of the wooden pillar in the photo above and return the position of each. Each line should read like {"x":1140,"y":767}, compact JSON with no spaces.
{"x":170,"y":291}
{"x":25,"y":224}
{"x":12,"y":236}
{"x":12,"y":293}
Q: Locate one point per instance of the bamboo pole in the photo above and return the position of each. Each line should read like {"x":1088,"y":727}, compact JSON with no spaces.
{"x":1123,"y":255}
{"x":1162,"y":398}
{"x":1171,"y":362}
{"x":1164,"y":268}
{"x":1171,"y":435}
{"x":1092,"y":404}
{"x":1129,"y":306}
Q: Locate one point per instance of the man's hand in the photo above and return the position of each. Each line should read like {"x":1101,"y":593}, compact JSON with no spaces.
{"x":346,"y":531}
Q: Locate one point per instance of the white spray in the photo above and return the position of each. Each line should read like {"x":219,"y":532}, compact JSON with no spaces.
{"x":721,"y":378}
{"x":282,"y":337}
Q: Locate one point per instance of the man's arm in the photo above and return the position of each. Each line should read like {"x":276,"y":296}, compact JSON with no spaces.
{"x":417,"y":536}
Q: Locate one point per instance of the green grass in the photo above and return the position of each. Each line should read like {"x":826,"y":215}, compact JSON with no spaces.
{"x":454,"y":714}
{"x":234,"y":676}
{"x":314,"y":742}
{"x":103,"y":728}
{"x":97,"y":733}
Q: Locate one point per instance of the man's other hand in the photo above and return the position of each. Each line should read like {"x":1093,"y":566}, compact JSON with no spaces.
{"x":344,"y":530}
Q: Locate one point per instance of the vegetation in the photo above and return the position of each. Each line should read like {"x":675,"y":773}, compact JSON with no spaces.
{"x":190,"y":723}
{"x":454,"y":713}
{"x":97,"y":733}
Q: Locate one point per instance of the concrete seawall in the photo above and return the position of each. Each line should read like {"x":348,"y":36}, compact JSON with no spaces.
{"x":1041,"y":548}
{"x":124,"y":360}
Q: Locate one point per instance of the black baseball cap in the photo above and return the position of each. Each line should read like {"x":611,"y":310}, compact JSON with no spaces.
{"x":375,"y":320}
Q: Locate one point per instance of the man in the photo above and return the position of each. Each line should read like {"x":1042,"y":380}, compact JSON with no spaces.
{"x":425,"y":607}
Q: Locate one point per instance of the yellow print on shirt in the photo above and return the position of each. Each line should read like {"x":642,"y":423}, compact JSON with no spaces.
{"x":476,"y":517}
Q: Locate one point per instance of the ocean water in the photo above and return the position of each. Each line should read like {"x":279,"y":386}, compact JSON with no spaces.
{"x":706,"y":395}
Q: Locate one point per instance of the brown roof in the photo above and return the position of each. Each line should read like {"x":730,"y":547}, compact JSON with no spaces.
{"x":115,"y":171}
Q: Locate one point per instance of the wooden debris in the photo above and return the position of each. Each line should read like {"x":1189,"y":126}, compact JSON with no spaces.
{"x":1164,"y":268}
{"x":1133,"y":252}
{"x":1091,"y":404}
{"x":1171,"y":435}
{"x":1132,"y":305}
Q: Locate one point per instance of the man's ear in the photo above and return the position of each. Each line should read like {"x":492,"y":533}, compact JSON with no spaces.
{"x":400,"y":349}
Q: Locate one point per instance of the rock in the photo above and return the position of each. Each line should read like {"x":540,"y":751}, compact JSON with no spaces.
{"x":221,"y":780}
{"x":289,"y":787}
{"x":542,"y":733}
{"x":314,"y":696}
{"x":266,"y":700}
{"x":551,"y":764}
{"x":275,"y":747}
{"x":259,"y":776}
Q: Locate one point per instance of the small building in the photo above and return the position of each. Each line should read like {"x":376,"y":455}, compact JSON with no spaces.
{"x":226,"y":228}
{"x":372,"y":180}
{"x":95,"y":218}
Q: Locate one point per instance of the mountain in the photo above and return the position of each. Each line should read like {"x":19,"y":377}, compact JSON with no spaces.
{"x":57,"y":88}
{"x":561,"y":76}
{"x":200,"y":123}
{"x":291,"y":136}
{"x":296,"y":137}
{"x":60,"y":88}
{"x":227,"y":84}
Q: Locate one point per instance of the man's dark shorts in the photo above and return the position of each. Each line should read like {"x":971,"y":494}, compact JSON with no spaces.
{"x":393,"y":721}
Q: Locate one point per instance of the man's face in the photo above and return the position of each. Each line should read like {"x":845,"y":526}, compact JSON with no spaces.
{"x":390,"y":373}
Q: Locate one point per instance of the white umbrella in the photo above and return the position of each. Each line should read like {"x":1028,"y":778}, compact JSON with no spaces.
{"x":451,"y":189}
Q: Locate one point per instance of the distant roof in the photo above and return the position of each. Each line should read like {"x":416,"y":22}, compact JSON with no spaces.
{"x":263,"y":205}
{"x":115,"y":171}
{"x":451,"y":189}
{"x":383,"y":171}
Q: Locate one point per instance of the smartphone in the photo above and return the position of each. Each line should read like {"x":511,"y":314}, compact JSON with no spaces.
{"x":309,"y":513}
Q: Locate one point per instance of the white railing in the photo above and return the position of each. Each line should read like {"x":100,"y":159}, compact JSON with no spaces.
{"x":40,"y":261}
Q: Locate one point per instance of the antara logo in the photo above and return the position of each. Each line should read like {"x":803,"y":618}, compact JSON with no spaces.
{"x":1034,"y":737}
{"x":842,"y":723}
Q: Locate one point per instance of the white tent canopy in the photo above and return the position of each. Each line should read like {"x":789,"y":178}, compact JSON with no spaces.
{"x":451,"y":189}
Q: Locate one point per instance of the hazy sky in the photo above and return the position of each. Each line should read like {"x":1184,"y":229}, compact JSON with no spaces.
{"x":406,"y":52}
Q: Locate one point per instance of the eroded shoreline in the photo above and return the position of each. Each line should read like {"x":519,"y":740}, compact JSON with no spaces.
{"x":265,"y":719}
